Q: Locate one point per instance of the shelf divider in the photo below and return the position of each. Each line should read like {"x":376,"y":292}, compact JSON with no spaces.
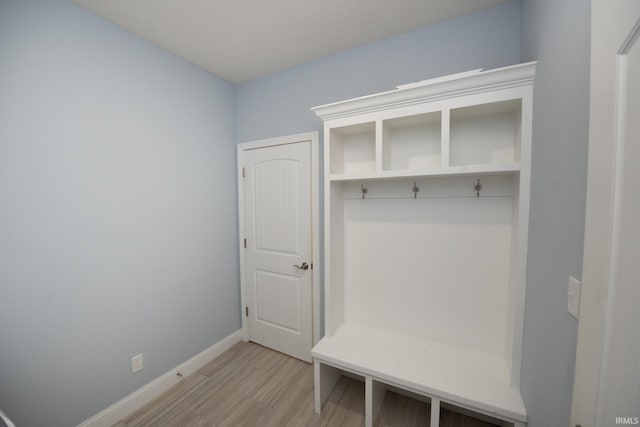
{"x":380,"y":154}
{"x":445,"y":118}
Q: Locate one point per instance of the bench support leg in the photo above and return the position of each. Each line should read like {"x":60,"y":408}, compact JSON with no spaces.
{"x":324,"y":380}
{"x":435,"y":412}
{"x":374,"y":392}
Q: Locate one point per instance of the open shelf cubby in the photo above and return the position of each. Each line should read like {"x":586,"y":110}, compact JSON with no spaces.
{"x":412,"y":142}
{"x":485,"y":134}
{"x":426,"y":227}
{"x":353,"y":148}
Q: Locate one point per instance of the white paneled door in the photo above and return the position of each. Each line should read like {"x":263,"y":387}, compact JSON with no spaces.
{"x":278,"y":252}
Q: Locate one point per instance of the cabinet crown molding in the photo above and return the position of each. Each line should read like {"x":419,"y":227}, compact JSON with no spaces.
{"x":466,"y":83}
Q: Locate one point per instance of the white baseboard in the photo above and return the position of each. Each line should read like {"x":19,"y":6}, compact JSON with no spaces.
{"x":155,"y":388}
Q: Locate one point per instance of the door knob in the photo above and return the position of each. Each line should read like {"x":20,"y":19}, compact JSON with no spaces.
{"x":303,"y":266}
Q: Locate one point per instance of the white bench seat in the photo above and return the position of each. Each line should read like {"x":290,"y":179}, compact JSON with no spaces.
{"x":461,"y":377}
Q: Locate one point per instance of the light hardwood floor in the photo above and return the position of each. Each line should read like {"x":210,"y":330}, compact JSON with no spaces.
{"x":250,"y":385}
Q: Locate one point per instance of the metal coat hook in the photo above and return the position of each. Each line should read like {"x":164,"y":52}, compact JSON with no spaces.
{"x":478,"y":187}
{"x":415,"y":190}
{"x":364,"y":190}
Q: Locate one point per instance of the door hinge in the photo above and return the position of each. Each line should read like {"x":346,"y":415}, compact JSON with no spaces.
{"x":246,"y":311}
{"x":245,"y":243}
{"x":243,"y":173}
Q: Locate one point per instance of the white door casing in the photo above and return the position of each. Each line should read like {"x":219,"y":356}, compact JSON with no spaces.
{"x":278,"y":226}
{"x":607,"y":375}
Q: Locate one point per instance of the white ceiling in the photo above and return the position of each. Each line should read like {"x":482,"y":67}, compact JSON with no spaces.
{"x":240,"y":40}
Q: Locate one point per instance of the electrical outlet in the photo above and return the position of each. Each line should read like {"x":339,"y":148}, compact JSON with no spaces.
{"x":573,"y":297}
{"x":136,"y":363}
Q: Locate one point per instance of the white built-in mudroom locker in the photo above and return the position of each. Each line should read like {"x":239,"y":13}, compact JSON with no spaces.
{"x":425,"y":227}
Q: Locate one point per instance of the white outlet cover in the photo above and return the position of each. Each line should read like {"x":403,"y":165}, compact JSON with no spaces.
{"x":136,"y":363}
{"x":573,"y":297}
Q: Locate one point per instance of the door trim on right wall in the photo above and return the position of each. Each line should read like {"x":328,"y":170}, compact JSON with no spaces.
{"x":611,"y":26}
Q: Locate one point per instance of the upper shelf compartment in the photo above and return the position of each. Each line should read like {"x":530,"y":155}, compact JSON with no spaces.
{"x":412,"y":142}
{"x":485,"y":134}
{"x":353,"y":148}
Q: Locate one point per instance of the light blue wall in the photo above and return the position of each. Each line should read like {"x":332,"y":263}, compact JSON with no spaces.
{"x":118,"y":212}
{"x":278,"y":104}
{"x":556,"y":33}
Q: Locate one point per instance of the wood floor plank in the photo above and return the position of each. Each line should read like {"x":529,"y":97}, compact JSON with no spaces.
{"x":250,"y":385}
{"x":171,"y":409}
